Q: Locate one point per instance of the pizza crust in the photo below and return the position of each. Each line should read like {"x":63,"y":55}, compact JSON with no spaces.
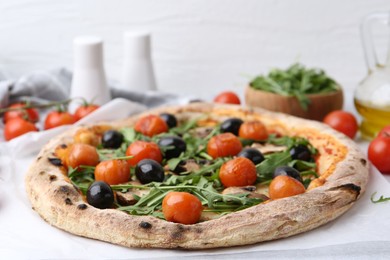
{"x":61,"y":205}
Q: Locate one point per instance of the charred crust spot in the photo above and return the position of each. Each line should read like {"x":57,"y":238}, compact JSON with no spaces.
{"x":55,"y":161}
{"x":68,"y":201}
{"x":178,"y":234}
{"x":145,"y":225}
{"x":198,"y":230}
{"x":349,"y":187}
{"x":64,"y":189}
{"x":351,"y":167}
{"x":63,"y":146}
{"x":40,"y":157}
{"x":363,"y":161}
{"x":41,"y":172}
{"x":82,"y":206}
{"x":52,"y":177}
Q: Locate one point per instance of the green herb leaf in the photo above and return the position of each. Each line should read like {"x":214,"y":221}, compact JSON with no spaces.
{"x":381,"y":198}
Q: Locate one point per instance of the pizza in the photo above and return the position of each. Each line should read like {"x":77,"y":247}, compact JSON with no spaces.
{"x":196,"y":176}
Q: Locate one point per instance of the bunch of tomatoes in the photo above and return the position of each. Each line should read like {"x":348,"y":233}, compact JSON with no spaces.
{"x":21,"y":118}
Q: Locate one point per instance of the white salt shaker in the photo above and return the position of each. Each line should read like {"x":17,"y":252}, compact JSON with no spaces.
{"x":137,"y":70}
{"x":89,"y":79}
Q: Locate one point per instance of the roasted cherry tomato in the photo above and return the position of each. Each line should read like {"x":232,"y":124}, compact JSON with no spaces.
{"x":113,"y":171}
{"x":58,"y":118}
{"x":29,"y":114}
{"x":238,"y":172}
{"x":253,"y":130}
{"x":84,"y":110}
{"x":82,"y":154}
{"x":151,"y":125}
{"x":227,"y":97}
{"x":143,"y":150}
{"x":181,"y":207}
{"x":343,"y":122}
{"x":226,"y":144}
{"x":100,"y":195}
{"x":16,"y":127}
{"x":285,"y":186}
{"x":379,"y":153}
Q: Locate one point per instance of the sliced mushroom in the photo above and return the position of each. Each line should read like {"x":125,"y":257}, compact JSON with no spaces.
{"x":268,"y":148}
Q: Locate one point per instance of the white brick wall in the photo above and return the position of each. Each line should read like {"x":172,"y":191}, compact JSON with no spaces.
{"x":199,"y":47}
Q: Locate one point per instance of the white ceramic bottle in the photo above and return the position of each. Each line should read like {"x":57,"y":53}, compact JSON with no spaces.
{"x":137,"y":70}
{"x":89,"y":79}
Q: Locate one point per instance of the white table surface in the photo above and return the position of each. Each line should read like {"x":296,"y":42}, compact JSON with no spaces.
{"x":362,"y":233}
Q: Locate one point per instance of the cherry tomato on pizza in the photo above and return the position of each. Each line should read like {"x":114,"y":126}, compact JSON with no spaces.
{"x":182,"y":207}
{"x":58,"y":118}
{"x":80,"y":154}
{"x":84,"y":110}
{"x":113,"y":171}
{"x":379,"y":153}
{"x":16,"y":127}
{"x":238,"y":172}
{"x":253,"y":130}
{"x":227,"y":97}
{"x":343,"y":122}
{"x":29,"y":114}
{"x":151,"y":125}
{"x":285,"y":186}
{"x":222,"y":145}
{"x":143,"y":150}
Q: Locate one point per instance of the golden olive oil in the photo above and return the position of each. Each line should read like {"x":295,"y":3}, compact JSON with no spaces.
{"x":374,"y":118}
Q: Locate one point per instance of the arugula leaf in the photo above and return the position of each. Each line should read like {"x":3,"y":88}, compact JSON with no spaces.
{"x":266,"y":168}
{"x":381,"y":198}
{"x":296,"y":81}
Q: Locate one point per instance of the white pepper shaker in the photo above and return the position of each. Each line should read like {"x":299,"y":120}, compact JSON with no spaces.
{"x":137,"y":70}
{"x":89,"y":79}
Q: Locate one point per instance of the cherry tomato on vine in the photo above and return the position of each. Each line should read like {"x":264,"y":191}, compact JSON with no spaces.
{"x":238,"y":172}
{"x":226,"y":144}
{"x":29,"y":114}
{"x":84,"y":110}
{"x":379,"y":153}
{"x":181,"y":207}
{"x":58,"y":118}
{"x":285,"y":186}
{"x":16,"y":127}
{"x":113,"y":171}
{"x":151,"y":125}
{"x":143,"y":150}
{"x":253,"y":130}
{"x":343,"y":122}
{"x":80,"y":154}
{"x":227,"y":97}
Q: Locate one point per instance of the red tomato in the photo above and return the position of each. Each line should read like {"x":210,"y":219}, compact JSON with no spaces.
{"x":57,"y":118}
{"x":254,"y":130}
{"x":226,"y":144}
{"x":81,"y":154}
{"x":151,"y":125}
{"x":84,"y":110}
{"x":16,"y":127}
{"x":343,"y":122}
{"x":182,"y":207}
{"x":227,"y":97}
{"x":143,"y":150}
{"x":113,"y":171}
{"x":238,"y":172}
{"x":285,"y":186}
{"x":379,"y":153}
{"x":29,"y":114}
{"x":385,"y":131}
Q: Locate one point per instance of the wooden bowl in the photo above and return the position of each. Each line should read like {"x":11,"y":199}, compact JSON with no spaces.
{"x":320,"y":106}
